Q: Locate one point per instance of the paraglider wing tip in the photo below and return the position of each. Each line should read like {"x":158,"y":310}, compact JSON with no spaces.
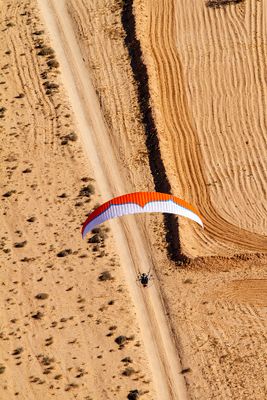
{"x":83,"y":233}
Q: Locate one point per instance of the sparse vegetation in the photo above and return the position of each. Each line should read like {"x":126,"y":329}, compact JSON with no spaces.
{"x":38,"y":33}
{"x":185,"y":370}
{"x":105,"y":276}
{"x":46,"y":51}
{"x":20,"y":244}
{"x":221,"y":3}
{"x":87,"y":191}
{"x":133,"y":395}
{"x":53,"y":63}
{"x":64,"y":253}
{"x":188,"y":280}
{"x":37,"y":315}
{"x":42,"y":296}
{"x":72,"y":137}
{"x":9,"y":193}
{"x":128,"y":371}
{"x":2,"y":369}
{"x":50,"y":87}
{"x":49,"y":341}
{"x":17,"y":351}
{"x":127,"y":360}
{"x":27,"y":171}
{"x":120,"y":340}
{"x":20,"y":96}
{"x":31,"y":219}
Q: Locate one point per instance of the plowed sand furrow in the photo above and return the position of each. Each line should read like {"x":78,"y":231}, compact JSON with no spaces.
{"x":33,"y":71}
{"x":241,"y":186}
{"x":122,"y":117}
{"x":161,"y":55}
{"x":33,"y":90}
{"x":248,"y":61}
{"x":238,"y":69}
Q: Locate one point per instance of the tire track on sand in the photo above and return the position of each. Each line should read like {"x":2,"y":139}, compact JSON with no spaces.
{"x":133,"y":249}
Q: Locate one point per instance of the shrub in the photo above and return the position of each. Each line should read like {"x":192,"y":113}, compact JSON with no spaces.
{"x":50,"y":85}
{"x":17,"y":351}
{"x":31,"y":219}
{"x":42,"y":296}
{"x":46,"y":51}
{"x":128,"y":371}
{"x":105,"y":276}
{"x":20,"y":244}
{"x":2,"y":369}
{"x":37,"y":315}
{"x":220,"y":3}
{"x":64,"y":253}
{"x":38,"y":33}
{"x":86,"y":191}
{"x":52,"y":63}
{"x":127,"y":360}
{"x":120,"y":340}
{"x":133,"y":395}
{"x":185,"y":370}
{"x":9,"y":193}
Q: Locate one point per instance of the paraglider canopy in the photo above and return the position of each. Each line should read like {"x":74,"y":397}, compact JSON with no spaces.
{"x":140,"y":202}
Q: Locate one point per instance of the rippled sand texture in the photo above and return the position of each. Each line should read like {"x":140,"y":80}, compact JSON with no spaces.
{"x":208,"y":84}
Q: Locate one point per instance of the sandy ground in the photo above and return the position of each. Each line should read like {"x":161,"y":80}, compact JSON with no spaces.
{"x":208,"y":80}
{"x":60,"y":344}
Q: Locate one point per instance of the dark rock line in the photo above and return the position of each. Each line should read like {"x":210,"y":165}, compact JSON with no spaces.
{"x":157,"y":167}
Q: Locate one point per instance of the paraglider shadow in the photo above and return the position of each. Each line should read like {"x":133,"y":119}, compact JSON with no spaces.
{"x":157,"y":167}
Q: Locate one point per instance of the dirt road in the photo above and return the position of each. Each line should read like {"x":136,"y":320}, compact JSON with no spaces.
{"x":132,"y":246}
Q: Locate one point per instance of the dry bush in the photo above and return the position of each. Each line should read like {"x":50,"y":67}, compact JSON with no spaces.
{"x":9,"y":193}
{"x":37,"y":315}
{"x":42,"y":296}
{"x":2,"y":369}
{"x":221,"y":3}
{"x":185,"y":370}
{"x":20,"y":244}
{"x":46,"y":51}
{"x":128,"y":371}
{"x":2,"y":112}
{"x":86,"y":191}
{"x":64,"y":253}
{"x":133,"y":395}
{"x":120,"y":340}
{"x":53,"y":63}
{"x":105,"y":276}
{"x":17,"y":351}
{"x":38,"y":33}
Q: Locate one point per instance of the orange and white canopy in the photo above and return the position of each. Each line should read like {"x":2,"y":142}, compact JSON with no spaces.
{"x":140,"y":202}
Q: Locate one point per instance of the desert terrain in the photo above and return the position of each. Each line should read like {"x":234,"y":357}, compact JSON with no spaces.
{"x":100,"y":98}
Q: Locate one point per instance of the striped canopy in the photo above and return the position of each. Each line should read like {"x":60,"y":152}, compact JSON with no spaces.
{"x":140,"y":202}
